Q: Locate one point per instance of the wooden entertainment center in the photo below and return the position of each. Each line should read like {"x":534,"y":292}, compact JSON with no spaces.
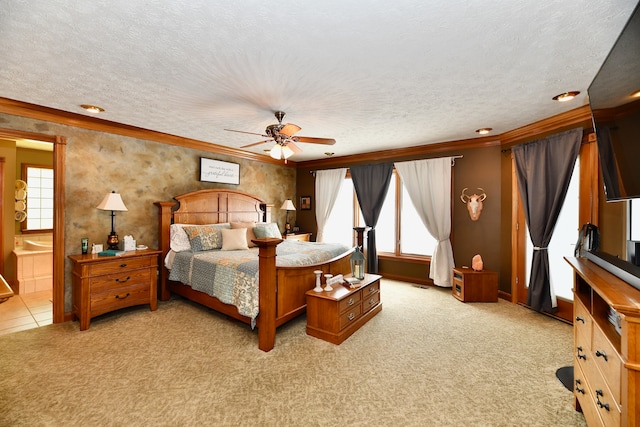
{"x":607,"y":346}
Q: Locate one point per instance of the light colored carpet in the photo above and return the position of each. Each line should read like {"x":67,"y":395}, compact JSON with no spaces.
{"x":426,"y":360}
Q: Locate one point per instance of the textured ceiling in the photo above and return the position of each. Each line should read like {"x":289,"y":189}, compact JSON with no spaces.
{"x":373,"y":75}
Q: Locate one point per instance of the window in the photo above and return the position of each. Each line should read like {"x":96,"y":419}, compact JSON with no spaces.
{"x":339,"y":226}
{"x":399,"y":232}
{"x":634,"y":220}
{"x":39,"y":181}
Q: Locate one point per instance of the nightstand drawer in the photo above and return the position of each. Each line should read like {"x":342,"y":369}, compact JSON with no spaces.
{"x":121,"y":263}
{"x":122,"y":279}
{"x":114,"y":299}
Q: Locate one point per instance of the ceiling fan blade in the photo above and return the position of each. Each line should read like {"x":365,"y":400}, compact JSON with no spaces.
{"x":256,"y":143}
{"x":294,"y":148}
{"x":250,"y":133}
{"x":308,"y":139}
{"x":289,"y":129}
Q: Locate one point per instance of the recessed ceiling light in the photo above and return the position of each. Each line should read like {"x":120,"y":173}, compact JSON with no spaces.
{"x":93,"y":109}
{"x":567,"y":96}
{"x":484,"y":131}
{"x":636,"y":94}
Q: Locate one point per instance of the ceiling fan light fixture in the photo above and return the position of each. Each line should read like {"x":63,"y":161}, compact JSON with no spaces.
{"x":276,"y":152}
{"x":483,"y":131}
{"x":286,"y":152}
{"x":567,"y":96}
{"x":93,"y":109}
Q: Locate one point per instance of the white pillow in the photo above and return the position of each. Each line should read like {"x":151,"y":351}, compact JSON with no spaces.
{"x":234,"y":239}
{"x":178,"y":240}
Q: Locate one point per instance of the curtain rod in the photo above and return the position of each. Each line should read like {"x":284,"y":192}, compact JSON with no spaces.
{"x":453,"y":162}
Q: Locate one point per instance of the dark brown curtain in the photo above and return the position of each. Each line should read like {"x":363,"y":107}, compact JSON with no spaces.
{"x":371,"y":183}
{"x":543,"y":169}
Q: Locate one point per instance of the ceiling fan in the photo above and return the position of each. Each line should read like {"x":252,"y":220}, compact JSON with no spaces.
{"x":283,"y":136}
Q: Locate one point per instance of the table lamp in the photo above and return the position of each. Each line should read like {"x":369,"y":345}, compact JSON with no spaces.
{"x":112,"y":202}
{"x":288,"y":206}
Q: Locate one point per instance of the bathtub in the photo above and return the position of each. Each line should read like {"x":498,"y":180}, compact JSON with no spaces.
{"x":37,"y":246}
{"x":33,"y":262}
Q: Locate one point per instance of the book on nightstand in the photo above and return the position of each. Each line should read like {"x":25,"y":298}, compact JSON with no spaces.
{"x":111,"y":252}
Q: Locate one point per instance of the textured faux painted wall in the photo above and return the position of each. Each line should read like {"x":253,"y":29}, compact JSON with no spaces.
{"x":143,"y":172}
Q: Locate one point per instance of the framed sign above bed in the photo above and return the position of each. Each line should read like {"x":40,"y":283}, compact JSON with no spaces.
{"x":219,"y":171}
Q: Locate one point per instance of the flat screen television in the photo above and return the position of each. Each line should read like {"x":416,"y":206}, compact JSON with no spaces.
{"x":616,"y":114}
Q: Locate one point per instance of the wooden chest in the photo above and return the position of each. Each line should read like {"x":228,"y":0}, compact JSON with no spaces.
{"x":335,"y":315}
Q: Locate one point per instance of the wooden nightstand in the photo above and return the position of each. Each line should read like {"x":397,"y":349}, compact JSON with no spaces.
{"x":475,"y":286}
{"x":301,"y":237}
{"x":106,"y":283}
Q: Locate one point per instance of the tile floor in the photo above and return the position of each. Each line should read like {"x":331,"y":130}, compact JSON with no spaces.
{"x":26,"y":311}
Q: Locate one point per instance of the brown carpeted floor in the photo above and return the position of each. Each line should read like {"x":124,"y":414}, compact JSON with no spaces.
{"x":426,"y":360}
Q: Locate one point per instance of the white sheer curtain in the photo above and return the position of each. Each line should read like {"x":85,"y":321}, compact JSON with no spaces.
{"x":328,"y":184}
{"x":428,"y":183}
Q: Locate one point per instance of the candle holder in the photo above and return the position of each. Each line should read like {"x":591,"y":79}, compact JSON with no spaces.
{"x":328,"y":286}
{"x":318,"y":287}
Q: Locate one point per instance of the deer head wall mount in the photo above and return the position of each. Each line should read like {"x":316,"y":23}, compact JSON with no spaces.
{"x":473,"y":202}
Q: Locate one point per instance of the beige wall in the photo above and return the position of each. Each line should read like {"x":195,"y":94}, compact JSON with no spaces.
{"x":143,"y":172}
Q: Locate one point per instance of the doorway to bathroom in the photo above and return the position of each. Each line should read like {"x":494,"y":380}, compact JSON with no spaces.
{"x":49,"y":238}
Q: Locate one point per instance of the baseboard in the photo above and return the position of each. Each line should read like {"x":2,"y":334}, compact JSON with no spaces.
{"x":410,"y":279}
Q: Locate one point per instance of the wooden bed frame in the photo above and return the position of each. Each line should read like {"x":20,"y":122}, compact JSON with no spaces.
{"x":282,"y":289}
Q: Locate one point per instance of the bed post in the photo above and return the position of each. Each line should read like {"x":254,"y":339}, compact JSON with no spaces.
{"x":164,"y":222}
{"x":267,"y":290}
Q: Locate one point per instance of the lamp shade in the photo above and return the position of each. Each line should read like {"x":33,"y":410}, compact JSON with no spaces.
{"x":288,"y":205}
{"x":276,"y":152}
{"x":287,"y":152}
{"x":112,"y":202}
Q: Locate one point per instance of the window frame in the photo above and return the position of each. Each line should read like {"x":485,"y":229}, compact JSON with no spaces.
{"x":23,"y":225}
{"x":397,"y":254}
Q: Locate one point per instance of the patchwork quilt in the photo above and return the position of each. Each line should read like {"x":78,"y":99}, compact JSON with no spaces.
{"x":232,"y":276}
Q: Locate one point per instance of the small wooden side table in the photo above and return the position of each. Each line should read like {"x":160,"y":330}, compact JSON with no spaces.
{"x":106,"y":283}
{"x":301,"y":237}
{"x":475,"y":286}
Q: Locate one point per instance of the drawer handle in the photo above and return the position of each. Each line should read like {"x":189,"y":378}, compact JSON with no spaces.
{"x":372,"y":301}
{"x":123,"y":265}
{"x":602,"y":354}
{"x":123,"y":281}
{"x":126,"y":296}
{"x":599,"y":403}
{"x":578,"y":389}
{"x":580,"y":319}
{"x":581,"y":356}
{"x":351,"y":301}
{"x":351,"y":316}
{"x":372,"y":290}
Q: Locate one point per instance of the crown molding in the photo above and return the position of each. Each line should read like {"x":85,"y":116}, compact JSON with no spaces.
{"x":577,"y":116}
{"x":33,"y":111}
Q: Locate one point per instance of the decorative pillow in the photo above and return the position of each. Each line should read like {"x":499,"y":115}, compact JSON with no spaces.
{"x":267,"y":230}
{"x":250,"y":234}
{"x":178,"y":240}
{"x":234,"y":239}
{"x":205,"y":237}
